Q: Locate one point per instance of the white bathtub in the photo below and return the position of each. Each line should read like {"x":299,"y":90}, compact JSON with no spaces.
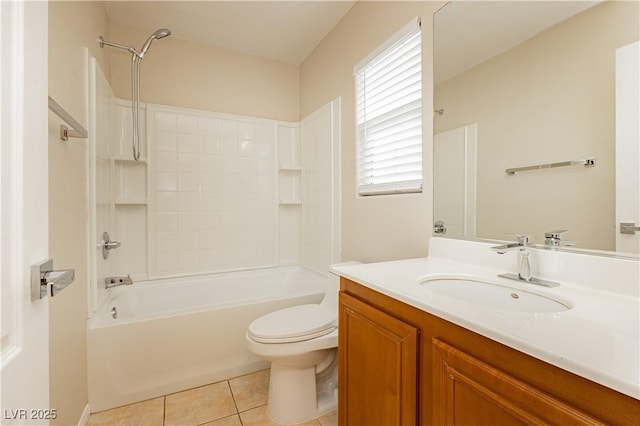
{"x":175,"y":334}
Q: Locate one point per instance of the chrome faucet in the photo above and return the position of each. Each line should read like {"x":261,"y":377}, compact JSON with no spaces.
{"x":524,"y":262}
{"x":553,"y":239}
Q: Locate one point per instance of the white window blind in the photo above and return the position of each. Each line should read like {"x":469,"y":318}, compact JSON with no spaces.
{"x":389,"y":115}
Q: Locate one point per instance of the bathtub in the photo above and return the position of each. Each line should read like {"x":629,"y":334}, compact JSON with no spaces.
{"x":174,"y":334}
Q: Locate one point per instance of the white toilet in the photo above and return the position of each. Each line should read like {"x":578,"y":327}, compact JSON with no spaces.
{"x":302,"y":344}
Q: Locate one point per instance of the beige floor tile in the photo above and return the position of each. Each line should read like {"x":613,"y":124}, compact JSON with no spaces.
{"x":329,"y":419}
{"x":226,"y":421}
{"x":145,"y":413}
{"x":258,"y":417}
{"x":251,"y":390}
{"x":199,"y":405}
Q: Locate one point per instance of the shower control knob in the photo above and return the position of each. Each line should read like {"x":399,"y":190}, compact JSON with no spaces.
{"x":108,"y":245}
{"x":112,"y":245}
{"x":439,"y":228}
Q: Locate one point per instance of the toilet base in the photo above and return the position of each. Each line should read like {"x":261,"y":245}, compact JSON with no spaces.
{"x":297,"y":395}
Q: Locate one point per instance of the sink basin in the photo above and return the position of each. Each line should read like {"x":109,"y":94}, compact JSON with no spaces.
{"x":493,"y":295}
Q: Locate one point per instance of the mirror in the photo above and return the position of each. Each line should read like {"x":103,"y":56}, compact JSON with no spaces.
{"x":522,"y":84}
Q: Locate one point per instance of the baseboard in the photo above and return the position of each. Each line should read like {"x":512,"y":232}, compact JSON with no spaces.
{"x":85,"y":415}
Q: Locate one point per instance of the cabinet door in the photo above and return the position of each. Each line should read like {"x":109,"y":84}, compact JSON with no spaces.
{"x":378,"y":367}
{"x":469,"y":392}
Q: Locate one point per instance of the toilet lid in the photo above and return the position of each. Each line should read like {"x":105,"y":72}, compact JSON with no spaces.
{"x":293,"y":324}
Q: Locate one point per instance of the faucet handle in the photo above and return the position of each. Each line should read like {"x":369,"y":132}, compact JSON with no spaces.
{"x":555,"y":234}
{"x":552,"y":238}
{"x":523,"y":239}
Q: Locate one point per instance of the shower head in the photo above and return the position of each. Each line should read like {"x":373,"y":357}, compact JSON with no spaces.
{"x":161,"y":33}
{"x":136,"y":59}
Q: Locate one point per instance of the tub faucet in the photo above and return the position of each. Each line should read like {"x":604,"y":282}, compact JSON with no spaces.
{"x":111,"y":282}
{"x":524,"y":261}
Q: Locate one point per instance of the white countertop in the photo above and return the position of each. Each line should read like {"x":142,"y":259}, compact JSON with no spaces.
{"x":598,"y":338}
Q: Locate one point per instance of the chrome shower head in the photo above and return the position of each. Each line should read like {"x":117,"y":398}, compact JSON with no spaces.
{"x":161,"y":33}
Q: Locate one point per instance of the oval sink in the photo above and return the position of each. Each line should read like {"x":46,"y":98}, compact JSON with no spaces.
{"x":493,"y":295}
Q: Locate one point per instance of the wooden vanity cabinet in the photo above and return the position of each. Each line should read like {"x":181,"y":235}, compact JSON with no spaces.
{"x":402,"y":366}
{"x":377,"y":340}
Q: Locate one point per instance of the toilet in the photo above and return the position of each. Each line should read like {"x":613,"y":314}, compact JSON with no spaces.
{"x":301,"y":342}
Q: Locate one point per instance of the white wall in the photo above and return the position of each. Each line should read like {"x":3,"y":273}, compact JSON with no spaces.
{"x":73,"y":27}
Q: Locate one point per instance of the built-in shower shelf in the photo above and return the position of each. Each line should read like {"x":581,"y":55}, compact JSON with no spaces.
{"x":130,"y":182}
{"x":289,"y":185}
{"x":290,"y":202}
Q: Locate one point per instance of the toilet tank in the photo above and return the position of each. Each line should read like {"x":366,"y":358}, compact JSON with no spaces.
{"x":333,"y":287}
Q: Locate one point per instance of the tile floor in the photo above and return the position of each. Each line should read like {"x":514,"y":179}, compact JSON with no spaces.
{"x":240,"y":401}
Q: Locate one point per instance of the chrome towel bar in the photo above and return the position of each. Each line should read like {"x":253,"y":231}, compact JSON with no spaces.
{"x":587,"y":162}
{"x":77,"y":130}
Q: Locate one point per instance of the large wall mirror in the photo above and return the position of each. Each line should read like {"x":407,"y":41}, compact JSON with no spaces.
{"x":520,"y":84}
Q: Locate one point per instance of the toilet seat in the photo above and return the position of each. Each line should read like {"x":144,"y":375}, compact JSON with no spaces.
{"x":294,"y":324}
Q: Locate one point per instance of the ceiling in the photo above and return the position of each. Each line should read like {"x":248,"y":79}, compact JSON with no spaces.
{"x":468,"y":33}
{"x":288,"y":31}
{"x":285,"y":31}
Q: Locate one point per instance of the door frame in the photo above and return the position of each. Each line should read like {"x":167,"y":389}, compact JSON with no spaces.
{"x":24,"y":212}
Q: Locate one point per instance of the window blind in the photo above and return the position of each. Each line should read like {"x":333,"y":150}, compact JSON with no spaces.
{"x":389,"y":116}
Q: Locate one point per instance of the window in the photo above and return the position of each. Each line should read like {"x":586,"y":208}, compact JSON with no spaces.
{"x":389,"y":115}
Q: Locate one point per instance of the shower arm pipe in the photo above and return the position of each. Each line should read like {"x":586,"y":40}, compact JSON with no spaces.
{"x":129,"y":49}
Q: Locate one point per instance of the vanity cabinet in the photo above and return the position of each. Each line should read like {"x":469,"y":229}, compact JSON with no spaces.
{"x":400,"y":365}
{"x":468,"y":391}
{"x":378,"y":359}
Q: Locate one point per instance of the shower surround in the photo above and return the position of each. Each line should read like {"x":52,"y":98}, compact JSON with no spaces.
{"x":213,"y":198}
{"x":231,"y":198}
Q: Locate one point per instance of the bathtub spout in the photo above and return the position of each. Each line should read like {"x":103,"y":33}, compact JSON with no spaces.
{"x":110,"y":282}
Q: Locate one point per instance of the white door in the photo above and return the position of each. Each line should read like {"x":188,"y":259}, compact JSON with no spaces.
{"x":454,"y":181}
{"x":628,"y":147}
{"x":24,"y":352}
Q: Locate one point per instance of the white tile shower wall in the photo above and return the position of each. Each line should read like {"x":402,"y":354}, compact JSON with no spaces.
{"x":213,"y":195}
{"x":449,"y":177}
{"x":317,"y":142}
{"x":289,"y":145}
{"x":289,"y":192}
{"x":129,"y":194}
{"x":123,"y":130}
{"x":100,"y":178}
